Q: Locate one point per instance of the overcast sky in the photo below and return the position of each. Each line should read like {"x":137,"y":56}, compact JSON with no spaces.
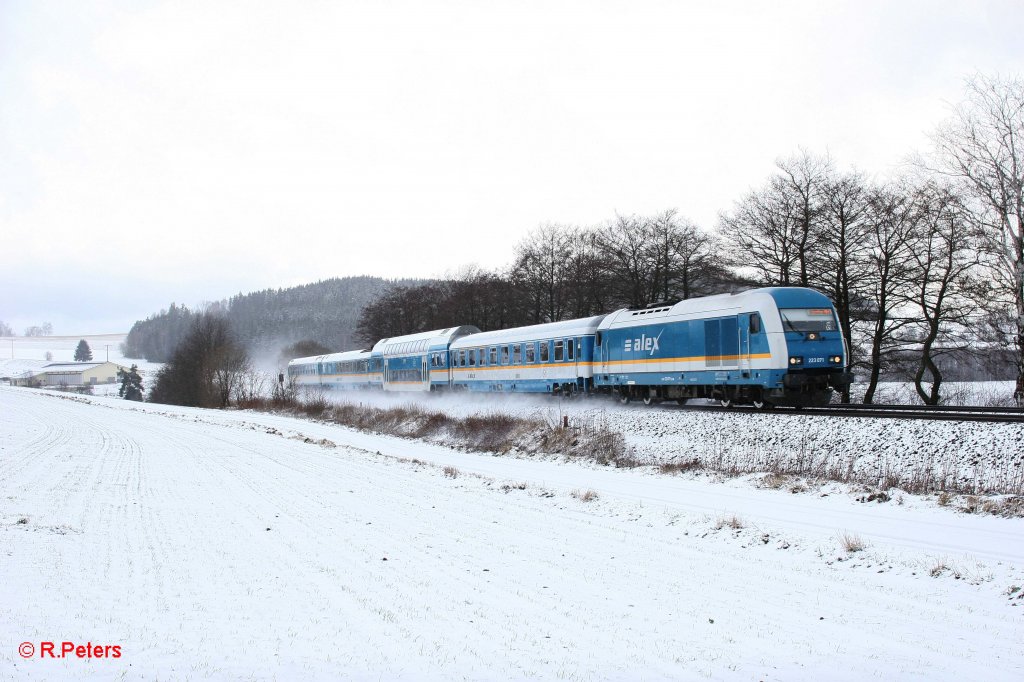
{"x":186,"y":151}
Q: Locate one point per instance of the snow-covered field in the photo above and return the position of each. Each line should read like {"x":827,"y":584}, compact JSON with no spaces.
{"x":227,"y":545}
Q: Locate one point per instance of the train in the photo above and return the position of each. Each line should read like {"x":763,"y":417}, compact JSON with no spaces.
{"x":778,"y":346}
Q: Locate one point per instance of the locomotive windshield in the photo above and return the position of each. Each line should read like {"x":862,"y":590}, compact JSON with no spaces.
{"x":808,"y":319}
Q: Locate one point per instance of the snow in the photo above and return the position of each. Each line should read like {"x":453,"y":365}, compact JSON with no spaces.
{"x":224,"y":545}
{"x":989,"y":455}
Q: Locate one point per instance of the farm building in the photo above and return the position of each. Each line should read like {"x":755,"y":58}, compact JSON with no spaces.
{"x":71,"y":374}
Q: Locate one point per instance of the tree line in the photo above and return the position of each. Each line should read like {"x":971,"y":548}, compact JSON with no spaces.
{"x":45,"y":329}
{"x":323,"y":312}
{"x":924,"y":267}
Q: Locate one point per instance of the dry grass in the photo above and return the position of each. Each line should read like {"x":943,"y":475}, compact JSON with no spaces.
{"x":852,"y":543}
{"x":585,"y":495}
{"x":681,"y":467}
{"x":450,"y":472}
{"x":730,"y":521}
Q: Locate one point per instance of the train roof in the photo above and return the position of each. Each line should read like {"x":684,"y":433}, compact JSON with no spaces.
{"x":331,"y":357}
{"x":422,"y":342}
{"x":345,"y":356}
{"x":534,"y":332}
{"x":724,"y":304}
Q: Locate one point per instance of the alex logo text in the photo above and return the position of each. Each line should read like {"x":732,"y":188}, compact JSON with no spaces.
{"x":643,"y":344}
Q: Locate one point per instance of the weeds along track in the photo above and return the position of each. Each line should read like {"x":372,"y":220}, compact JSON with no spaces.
{"x":956,"y":456}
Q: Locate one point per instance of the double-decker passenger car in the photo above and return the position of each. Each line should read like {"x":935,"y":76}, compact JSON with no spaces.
{"x":418,"y":362}
{"x":336,"y":371}
{"x":543,"y":358}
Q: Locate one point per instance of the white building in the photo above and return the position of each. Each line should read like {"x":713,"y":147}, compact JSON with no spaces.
{"x":71,"y":374}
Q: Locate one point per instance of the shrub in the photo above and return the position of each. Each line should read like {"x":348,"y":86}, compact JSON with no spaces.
{"x":585,"y":495}
{"x":204,"y":369}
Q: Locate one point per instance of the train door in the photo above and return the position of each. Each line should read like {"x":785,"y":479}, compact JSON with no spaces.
{"x":743,"y":330}
{"x":425,"y":360}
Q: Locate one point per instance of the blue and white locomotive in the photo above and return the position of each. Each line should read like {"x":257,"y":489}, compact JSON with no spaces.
{"x":773,"y":346}
{"x":776,"y":346}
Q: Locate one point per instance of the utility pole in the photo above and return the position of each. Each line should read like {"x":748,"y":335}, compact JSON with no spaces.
{"x":107,"y":346}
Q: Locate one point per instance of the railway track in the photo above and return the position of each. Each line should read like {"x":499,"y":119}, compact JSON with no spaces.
{"x":926,"y":412}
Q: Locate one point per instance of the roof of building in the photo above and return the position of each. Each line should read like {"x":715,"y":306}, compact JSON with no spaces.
{"x":74,"y":366}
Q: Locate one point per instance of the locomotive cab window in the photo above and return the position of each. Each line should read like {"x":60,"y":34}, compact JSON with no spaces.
{"x":808,"y":319}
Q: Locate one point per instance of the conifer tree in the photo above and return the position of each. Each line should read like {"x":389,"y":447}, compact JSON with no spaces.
{"x":131,"y":383}
{"x":83,"y":353}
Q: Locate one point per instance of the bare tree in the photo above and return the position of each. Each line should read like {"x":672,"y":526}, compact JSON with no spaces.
{"x":775,"y":231}
{"x":541,"y":267}
{"x":588,"y":289}
{"x":45,"y":329}
{"x":762,"y":236}
{"x":842,"y":249}
{"x":204,"y":369}
{"x":982,"y":147}
{"x":945,"y":282}
{"x":5,"y":329}
{"x":891,"y":225}
{"x":804,"y":178}
{"x":630,"y":262}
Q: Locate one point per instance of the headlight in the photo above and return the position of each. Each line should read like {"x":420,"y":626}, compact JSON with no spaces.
{"x":836,"y":359}
{"x":812,"y":336}
{"x":796,"y":360}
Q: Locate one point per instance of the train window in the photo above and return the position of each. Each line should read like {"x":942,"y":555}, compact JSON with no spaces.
{"x":504,"y":355}
{"x":462,"y":358}
{"x":570,"y":349}
{"x":531,"y":352}
{"x":807,"y":320}
{"x":517,"y":354}
{"x":755,"y":323}
{"x":559,"y":356}
{"x":472,"y":358}
{"x":492,"y":352}
{"x":544,"y":351}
